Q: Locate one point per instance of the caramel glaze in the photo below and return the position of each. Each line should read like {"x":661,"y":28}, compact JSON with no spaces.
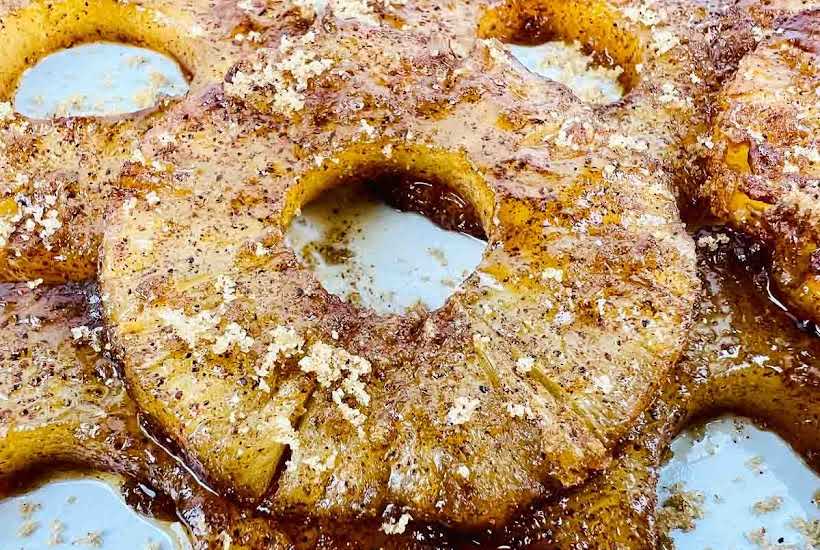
{"x":588,"y":275}
{"x":230,"y":166}
{"x":67,"y":406}
{"x":782,"y":394}
{"x":442,"y":205}
{"x":230,"y":162}
{"x":615,"y":507}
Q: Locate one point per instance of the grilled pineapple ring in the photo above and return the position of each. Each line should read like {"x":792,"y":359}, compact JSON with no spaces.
{"x":518,"y":386}
{"x":59,"y":175}
{"x":520,"y":403}
{"x":414,"y":364}
{"x":765,"y":164}
{"x":617,"y":508}
{"x":64,"y":404}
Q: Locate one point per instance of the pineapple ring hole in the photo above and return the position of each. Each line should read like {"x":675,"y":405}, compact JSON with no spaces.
{"x":580,"y":44}
{"x":388,"y":237}
{"x":98,"y":79}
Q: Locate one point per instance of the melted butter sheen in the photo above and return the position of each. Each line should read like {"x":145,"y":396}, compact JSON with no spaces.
{"x":390,"y":260}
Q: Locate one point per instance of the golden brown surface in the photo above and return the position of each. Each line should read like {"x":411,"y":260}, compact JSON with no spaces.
{"x":765,"y":163}
{"x":60,"y":175}
{"x":616,"y":509}
{"x":519,"y":386}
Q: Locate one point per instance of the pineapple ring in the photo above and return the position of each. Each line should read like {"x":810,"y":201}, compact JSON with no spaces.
{"x":576,"y":416}
{"x":782,"y":394}
{"x":59,"y":175}
{"x":63,"y":404}
{"x":352,"y":161}
{"x":765,"y":162}
{"x":519,"y":386}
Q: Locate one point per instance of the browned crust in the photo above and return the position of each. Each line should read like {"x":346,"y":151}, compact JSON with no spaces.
{"x":614,"y":509}
{"x":764,"y":168}
{"x":803,"y":30}
{"x":63,"y":404}
{"x":376,"y":90}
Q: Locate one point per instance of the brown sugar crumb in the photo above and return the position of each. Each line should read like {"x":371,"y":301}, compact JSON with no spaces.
{"x":680,"y":510}
{"x":27,"y":529}
{"x":758,"y":538}
{"x":810,"y":529}
{"x":755,"y":464}
{"x":28,"y":508}
{"x":288,"y":79}
{"x":767,"y":505}
{"x":56,"y":533}
{"x":92,"y":539}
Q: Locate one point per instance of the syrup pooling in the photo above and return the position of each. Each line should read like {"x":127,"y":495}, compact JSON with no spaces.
{"x":467,"y":327}
{"x":728,"y":320}
{"x":443,"y":206}
{"x":178,"y":211}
